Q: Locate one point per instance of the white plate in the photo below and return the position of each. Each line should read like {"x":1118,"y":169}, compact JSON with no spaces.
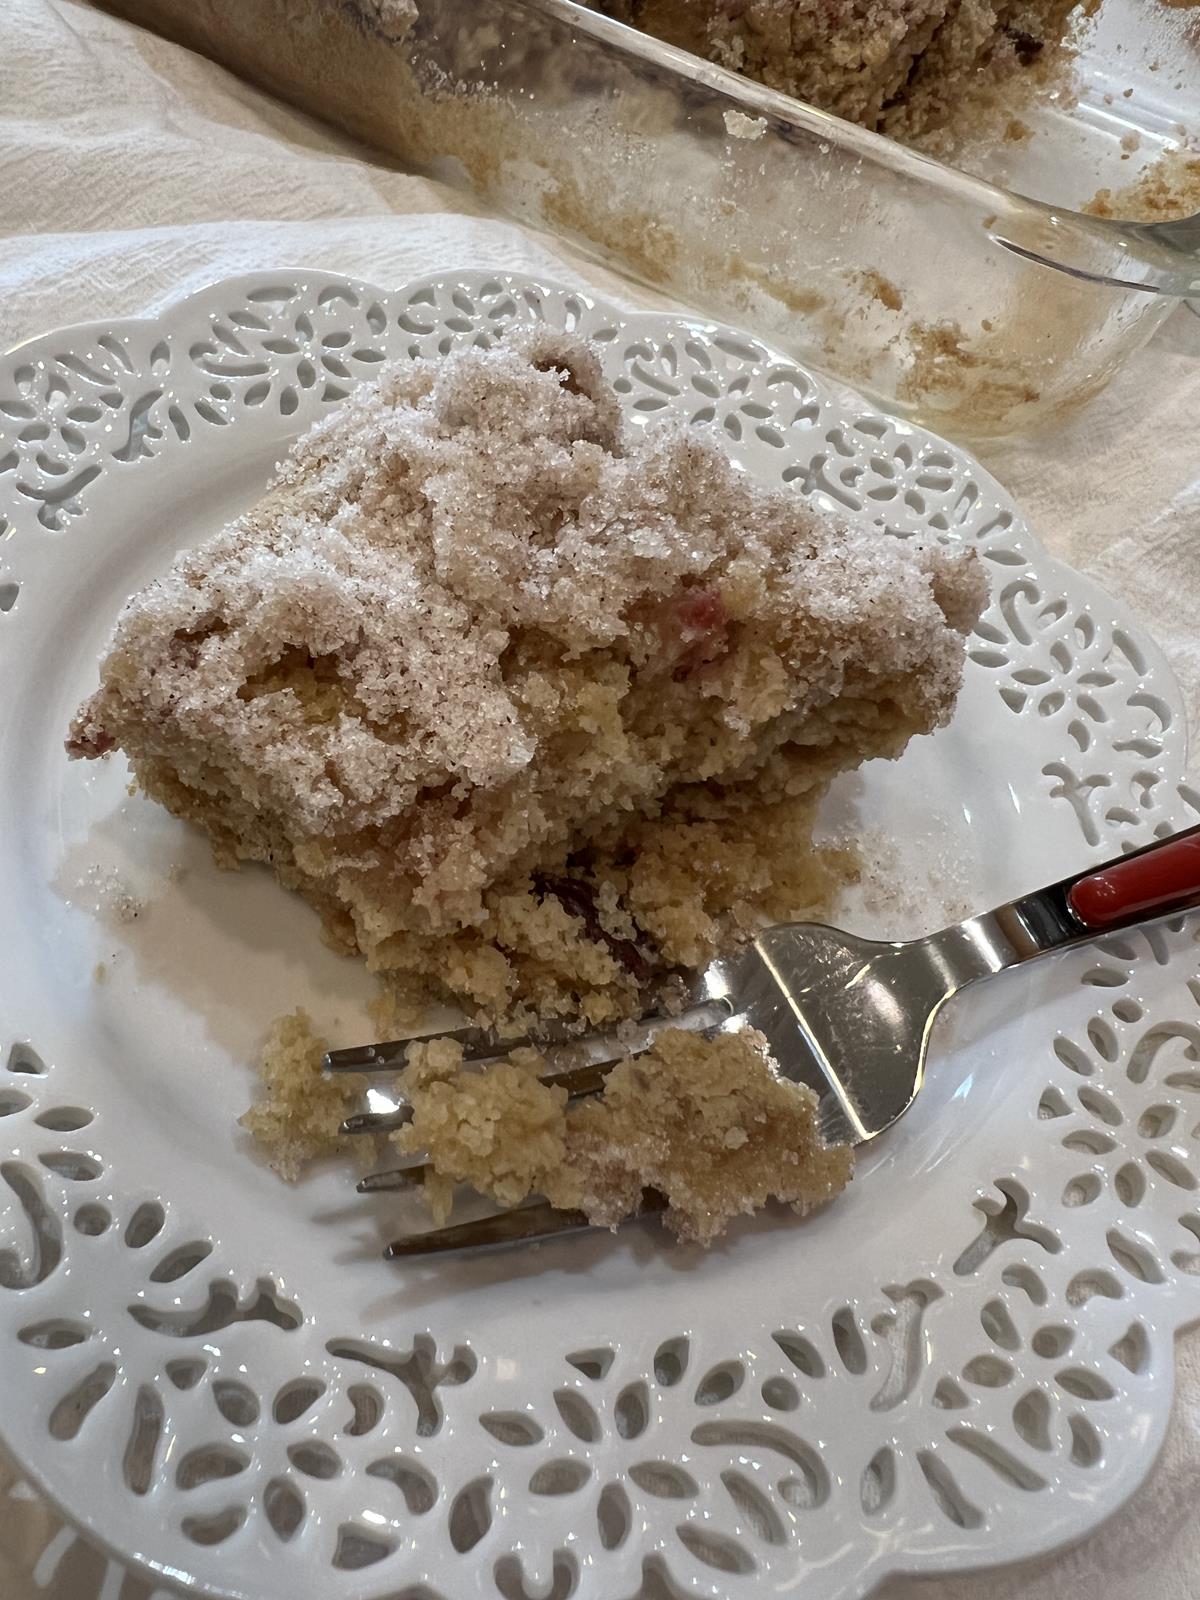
{"x":966,"y":1359}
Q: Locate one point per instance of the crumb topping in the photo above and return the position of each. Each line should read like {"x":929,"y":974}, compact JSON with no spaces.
{"x":903,"y":67}
{"x":373,"y":631}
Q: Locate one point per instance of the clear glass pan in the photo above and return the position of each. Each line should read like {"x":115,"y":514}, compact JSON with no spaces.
{"x":978,"y":303}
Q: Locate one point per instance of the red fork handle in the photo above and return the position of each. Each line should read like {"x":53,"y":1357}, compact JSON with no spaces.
{"x":1163,"y":877}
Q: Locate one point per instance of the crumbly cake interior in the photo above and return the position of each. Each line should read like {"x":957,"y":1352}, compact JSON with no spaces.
{"x":533,"y":708}
{"x":704,"y":1122}
{"x":902,"y":67}
{"x":297,"y":1113}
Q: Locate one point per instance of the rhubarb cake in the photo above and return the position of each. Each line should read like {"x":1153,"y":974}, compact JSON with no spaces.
{"x":533,"y":706}
{"x":903,"y":67}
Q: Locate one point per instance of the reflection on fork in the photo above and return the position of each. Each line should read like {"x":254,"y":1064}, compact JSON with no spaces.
{"x":849,"y":1017}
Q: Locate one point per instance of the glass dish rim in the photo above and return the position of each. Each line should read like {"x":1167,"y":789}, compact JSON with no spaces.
{"x":1161,"y":258}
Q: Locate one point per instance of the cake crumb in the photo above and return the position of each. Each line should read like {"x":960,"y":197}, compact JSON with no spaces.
{"x":707,"y":1123}
{"x":300,"y":1108}
{"x":739,"y":126}
{"x":946,"y":361}
{"x":906,"y":890}
{"x":1168,"y":190}
{"x":882,"y":289}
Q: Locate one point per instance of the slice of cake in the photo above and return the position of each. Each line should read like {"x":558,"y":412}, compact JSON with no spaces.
{"x":533,"y":709}
{"x":904,"y":67}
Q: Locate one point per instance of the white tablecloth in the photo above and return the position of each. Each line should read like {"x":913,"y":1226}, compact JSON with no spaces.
{"x":131,"y":172}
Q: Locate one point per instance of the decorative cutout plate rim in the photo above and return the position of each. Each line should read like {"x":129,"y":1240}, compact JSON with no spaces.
{"x":964,"y":1403}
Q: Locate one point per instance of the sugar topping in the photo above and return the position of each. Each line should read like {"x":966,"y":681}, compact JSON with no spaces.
{"x":435,"y":517}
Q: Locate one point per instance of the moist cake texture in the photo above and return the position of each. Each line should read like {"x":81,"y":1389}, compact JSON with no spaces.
{"x":704,"y":1122}
{"x":298,"y":1112}
{"x":532,"y":707}
{"x":903,"y":67}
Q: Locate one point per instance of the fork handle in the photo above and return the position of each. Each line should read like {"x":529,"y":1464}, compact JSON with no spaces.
{"x":1148,"y":883}
{"x":1136,"y":888}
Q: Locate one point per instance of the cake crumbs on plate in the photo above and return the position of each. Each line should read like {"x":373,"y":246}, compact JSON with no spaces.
{"x":298,"y":1111}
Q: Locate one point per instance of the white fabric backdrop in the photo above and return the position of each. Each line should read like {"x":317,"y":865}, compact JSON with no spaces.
{"x":131,"y":172}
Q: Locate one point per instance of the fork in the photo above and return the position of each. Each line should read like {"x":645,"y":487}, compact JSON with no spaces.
{"x":849,"y":1017}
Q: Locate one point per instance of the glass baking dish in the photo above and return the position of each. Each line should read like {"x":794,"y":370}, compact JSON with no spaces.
{"x":979,"y":302}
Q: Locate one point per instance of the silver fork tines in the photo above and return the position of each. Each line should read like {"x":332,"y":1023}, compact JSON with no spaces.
{"x":479,"y":1045}
{"x":524,"y":1224}
{"x":849,"y":1017}
{"x":579,"y":1082}
{"x":571,"y":1056}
